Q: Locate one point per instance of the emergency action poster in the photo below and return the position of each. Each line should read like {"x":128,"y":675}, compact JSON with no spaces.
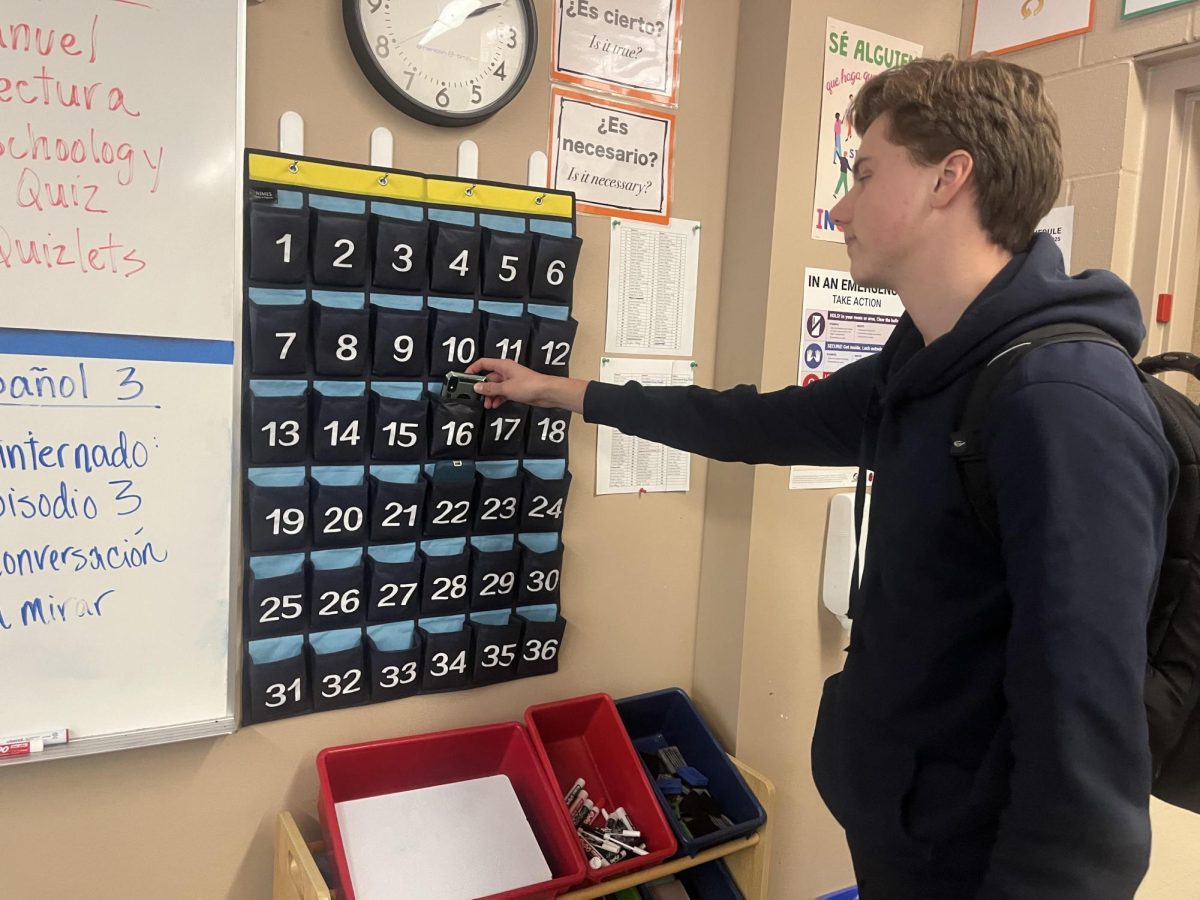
{"x":843,"y":322}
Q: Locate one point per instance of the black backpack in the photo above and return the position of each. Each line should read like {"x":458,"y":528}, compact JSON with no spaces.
{"x":1173,"y":629}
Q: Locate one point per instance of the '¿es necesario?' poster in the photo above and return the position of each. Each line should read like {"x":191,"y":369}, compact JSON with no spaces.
{"x":853,"y":55}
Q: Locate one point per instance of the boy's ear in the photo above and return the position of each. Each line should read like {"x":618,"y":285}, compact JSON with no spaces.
{"x":953,"y":174}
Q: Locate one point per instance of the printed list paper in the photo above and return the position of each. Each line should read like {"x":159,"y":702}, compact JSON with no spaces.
{"x":628,"y":465}
{"x":652,"y":287}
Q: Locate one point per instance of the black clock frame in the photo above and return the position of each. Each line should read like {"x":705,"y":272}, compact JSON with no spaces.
{"x":392,"y":93}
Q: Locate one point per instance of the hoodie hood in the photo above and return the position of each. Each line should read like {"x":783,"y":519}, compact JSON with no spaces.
{"x":1031,"y":291}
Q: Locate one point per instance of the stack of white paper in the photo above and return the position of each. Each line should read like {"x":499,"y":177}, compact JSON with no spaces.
{"x":451,"y":842}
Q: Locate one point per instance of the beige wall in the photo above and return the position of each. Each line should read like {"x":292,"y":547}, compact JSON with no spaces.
{"x":194,"y":820}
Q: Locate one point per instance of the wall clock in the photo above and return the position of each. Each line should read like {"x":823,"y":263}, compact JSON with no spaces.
{"x":445,"y":62}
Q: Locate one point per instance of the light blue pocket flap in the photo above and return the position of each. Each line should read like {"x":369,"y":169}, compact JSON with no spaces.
{"x":547,"y":469}
{"x":272,"y":650}
{"x":333,"y":476}
{"x":545,"y":613}
{"x":506,"y":469}
{"x":493,"y":542}
{"x":340,"y":299}
{"x":552,"y":227}
{"x":337,"y":204}
{"x":539,"y":542}
{"x":393,"y":553}
{"x":276,"y":296}
{"x":502,"y":223}
{"x":398,"y":301}
{"x":393,"y":636}
{"x":443,"y":624}
{"x":291,"y":476}
{"x":497,"y":308}
{"x":492,"y":617}
{"x":336,"y":559}
{"x":341,"y":388}
{"x":397,"y":474}
{"x":399,"y":390}
{"x":275,"y":566}
{"x":550,"y":312}
{"x":262,"y":387}
{"x":452,"y":304}
{"x":335,"y":641}
{"x":444,"y":546}
{"x":398,"y":211}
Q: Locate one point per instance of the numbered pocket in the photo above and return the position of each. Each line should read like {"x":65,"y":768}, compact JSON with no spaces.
{"x":340,"y":339}
{"x":339,"y":433}
{"x":447,"y":664}
{"x":278,"y":244}
{"x":455,"y":342}
{"x":399,"y":429}
{"x":506,"y":262}
{"x":541,"y":641}
{"x":506,"y":337}
{"x":278,"y":679}
{"x":339,"y":677}
{"x":338,"y":586}
{"x":449,"y":510}
{"x":278,"y":510}
{"x":555,"y":260}
{"x":454,"y":266}
{"x":541,"y":575}
{"x":394,"y":588}
{"x":548,"y":432}
{"x":454,"y":428}
{"x":278,"y":422}
{"x":339,"y":251}
{"x":276,"y":596}
{"x":397,"y":506}
{"x":394,"y":653}
{"x":494,"y":575}
{"x":497,"y":505}
{"x":543,"y":502}
{"x":445,"y":584}
{"x":401,"y":253}
{"x":339,"y":507}
{"x":401,"y":348}
{"x":279,"y":338}
{"x":497,"y":648}
{"x":504,"y":430}
{"x":553,"y":340}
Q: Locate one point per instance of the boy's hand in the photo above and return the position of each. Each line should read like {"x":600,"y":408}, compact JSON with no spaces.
{"x":508,"y":380}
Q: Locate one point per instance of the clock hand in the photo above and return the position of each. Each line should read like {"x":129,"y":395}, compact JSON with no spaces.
{"x":484,"y":9}
{"x":453,"y":14}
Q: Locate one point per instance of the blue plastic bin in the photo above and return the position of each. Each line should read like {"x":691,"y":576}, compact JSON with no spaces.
{"x":669,"y":718}
{"x":710,"y":881}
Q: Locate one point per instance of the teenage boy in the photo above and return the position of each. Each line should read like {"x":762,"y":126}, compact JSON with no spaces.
{"x":987,"y":736}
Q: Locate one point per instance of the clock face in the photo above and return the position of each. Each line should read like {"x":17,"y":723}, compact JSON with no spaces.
{"x":446,"y":62}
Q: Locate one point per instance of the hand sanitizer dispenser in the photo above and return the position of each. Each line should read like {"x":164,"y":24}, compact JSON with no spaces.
{"x":839,"y":555}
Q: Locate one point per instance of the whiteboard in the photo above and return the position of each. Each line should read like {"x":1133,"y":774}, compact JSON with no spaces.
{"x":120,"y":245}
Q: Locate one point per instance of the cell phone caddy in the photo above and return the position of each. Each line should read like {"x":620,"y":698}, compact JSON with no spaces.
{"x":399,"y":538}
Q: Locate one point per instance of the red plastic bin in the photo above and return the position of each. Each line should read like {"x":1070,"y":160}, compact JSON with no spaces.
{"x":363,"y":770}
{"x":583,"y":738}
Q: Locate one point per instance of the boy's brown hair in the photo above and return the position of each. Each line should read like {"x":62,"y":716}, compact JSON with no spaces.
{"x":994,"y":110}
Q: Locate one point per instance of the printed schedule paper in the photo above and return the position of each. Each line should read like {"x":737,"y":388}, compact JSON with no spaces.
{"x":652,"y":287}
{"x":628,"y":465}
{"x":449,"y":842}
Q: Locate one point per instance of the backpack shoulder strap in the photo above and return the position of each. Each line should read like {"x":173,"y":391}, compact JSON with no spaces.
{"x":966,"y":442}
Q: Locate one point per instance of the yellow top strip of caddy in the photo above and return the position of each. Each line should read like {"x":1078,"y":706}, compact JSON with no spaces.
{"x":304,"y":174}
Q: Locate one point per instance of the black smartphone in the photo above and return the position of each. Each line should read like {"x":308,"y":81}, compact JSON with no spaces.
{"x":461,"y":386}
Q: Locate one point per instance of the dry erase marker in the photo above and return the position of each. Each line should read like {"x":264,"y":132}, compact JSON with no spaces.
{"x":48,"y":738}
{"x":574,"y":791}
{"x":581,"y":814}
{"x":573,"y":807}
{"x":20,"y":748}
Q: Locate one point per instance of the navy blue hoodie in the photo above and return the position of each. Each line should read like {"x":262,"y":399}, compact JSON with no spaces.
{"x":989,"y":717}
